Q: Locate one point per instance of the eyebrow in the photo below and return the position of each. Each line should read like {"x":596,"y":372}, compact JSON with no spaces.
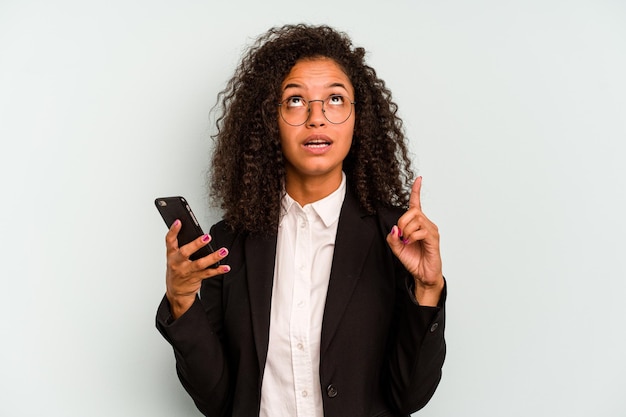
{"x":295,"y":85}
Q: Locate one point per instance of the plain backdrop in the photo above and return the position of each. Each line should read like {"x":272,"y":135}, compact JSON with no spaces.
{"x":516,"y":116}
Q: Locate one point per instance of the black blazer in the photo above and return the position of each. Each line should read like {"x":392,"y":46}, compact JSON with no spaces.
{"x":381,"y":353}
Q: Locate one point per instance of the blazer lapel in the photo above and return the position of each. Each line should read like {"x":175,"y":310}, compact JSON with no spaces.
{"x":354,"y":237}
{"x":260,"y":256}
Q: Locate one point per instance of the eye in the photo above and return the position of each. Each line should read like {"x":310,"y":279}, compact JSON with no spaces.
{"x":336,"y":100}
{"x":295,"y":101}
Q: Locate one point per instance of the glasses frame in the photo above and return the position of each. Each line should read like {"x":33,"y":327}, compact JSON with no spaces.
{"x":308,"y":110}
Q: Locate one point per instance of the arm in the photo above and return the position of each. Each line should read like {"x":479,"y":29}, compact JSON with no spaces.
{"x":200,"y":362}
{"x":193,"y":326}
{"x":415,"y":242}
{"x":418,"y":355}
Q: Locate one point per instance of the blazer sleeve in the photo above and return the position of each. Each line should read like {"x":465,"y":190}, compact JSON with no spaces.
{"x":196,"y":338}
{"x":417,"y":354}
{"x":417,"y":349}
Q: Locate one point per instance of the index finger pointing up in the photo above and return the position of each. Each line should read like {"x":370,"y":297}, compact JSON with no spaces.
{"x":415,"y":199}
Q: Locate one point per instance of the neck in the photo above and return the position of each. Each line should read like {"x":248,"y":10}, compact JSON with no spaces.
{"x":307,"y":190}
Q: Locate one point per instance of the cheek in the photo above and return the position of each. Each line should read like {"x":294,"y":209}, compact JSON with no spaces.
{"x":287,"y":140}
{"x":283,"y":132}
{"x":349,"y":132}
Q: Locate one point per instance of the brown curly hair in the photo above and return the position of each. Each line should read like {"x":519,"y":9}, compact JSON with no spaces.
{"x":246,"y":177}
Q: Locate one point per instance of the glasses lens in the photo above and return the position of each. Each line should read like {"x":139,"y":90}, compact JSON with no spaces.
{"x":295,"y":110}
{"x":337,"y":109}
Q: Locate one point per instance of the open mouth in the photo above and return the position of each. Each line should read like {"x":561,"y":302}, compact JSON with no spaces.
{"x":317,"y":142}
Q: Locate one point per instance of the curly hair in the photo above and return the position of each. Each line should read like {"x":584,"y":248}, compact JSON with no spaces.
{"x":246,"y":177}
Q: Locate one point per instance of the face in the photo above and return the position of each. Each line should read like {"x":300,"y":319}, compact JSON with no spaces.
{"x":316,"y":149}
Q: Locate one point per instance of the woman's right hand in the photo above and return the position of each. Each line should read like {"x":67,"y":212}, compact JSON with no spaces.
{"x":184,"y":276}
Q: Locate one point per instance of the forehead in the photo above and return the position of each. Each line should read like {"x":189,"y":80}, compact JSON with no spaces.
{"x":317,"y":74}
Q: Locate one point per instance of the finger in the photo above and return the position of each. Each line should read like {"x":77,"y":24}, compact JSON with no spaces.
{"x":213,"y":272}
{"x":427,"y":233}
{"x":171,"y":238}
{"x":416,"y":223}
{"x":415,"y":199}
{"x":394,"y":240}
{"x":416,"y":236}
{"x":185,"y":276}
{"x":194,"y":280}
{"x":211,"y":259}
{"x":409,"y":221}
{"x":193,"y":246}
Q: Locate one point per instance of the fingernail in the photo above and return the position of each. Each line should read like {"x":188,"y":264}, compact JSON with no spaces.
{"x":206,"y":238}
{"x":176,"y":222}
{"x":405,"y":241}
{"x":223,"y":252}
{"x":225,"y":268}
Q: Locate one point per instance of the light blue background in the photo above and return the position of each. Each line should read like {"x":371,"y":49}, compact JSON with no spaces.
{"x":516,"y":113}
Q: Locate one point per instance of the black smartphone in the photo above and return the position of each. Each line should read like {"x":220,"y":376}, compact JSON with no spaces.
{"x":172,"y":208}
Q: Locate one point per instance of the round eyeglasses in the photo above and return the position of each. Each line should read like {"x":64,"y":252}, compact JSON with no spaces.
{"x":295,"y":110}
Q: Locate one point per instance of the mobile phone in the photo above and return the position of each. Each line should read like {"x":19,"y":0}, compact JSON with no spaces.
{"x":172,"y":208}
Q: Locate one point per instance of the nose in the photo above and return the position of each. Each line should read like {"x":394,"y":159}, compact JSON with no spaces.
{"x":316,"y":113}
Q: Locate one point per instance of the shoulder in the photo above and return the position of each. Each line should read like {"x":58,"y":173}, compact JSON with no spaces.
{"x":384,"y":216}
{"x":222,"y":234}
{"x":389,"y":214}
{"x":387,"y":217}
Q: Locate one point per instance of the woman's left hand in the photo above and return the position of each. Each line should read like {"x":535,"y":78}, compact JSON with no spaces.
{"x":415,"y":241}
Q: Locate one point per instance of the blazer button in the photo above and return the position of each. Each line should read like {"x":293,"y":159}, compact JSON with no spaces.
{"x":331,"y":391}
{"x":434,"y":327}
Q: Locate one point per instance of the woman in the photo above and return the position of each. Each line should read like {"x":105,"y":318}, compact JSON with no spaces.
{"x":329,"y":297}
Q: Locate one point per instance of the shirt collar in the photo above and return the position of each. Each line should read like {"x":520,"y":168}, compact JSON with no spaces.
{"x":328,"y":208}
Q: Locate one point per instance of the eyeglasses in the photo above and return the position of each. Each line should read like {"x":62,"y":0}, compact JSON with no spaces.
{"x":295,"y":110}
